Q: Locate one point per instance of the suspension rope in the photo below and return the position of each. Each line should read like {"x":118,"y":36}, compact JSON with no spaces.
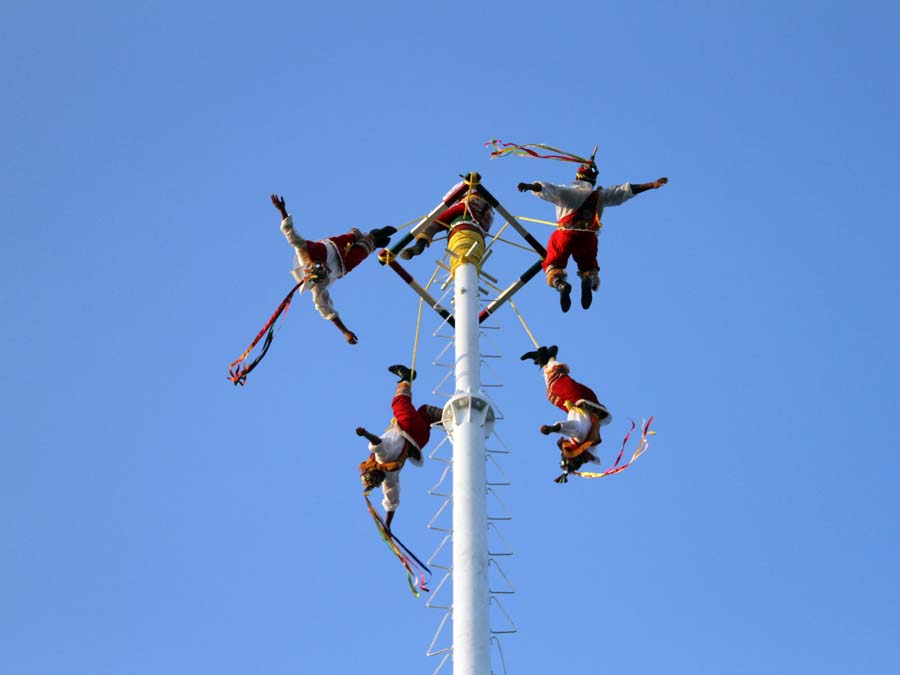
{"x":412,"y":365}
{"x":524,"y":325}
{"x":409,"y":224}
{"x":512,"y":243}
{"x":538,"y":220}
{"x":495,"y":237}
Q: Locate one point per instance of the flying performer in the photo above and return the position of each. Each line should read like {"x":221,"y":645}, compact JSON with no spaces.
{"x":320,"y":263}
{"x":468,"y":205}
{"x":580,"y":431}
{"x":408,"y":433}
{"x":579,"y":207}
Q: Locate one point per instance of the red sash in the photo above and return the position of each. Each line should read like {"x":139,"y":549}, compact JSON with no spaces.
{"x":585,"y":216}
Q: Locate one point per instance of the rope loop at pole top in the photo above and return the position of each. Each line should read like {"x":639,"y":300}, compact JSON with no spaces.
{"x":466,"y":245}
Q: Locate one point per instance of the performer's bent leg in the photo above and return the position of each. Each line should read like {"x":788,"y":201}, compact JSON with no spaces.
{"x":563,"y":389}
{"x":584,"y":252}
{"x":406,"y":415}
{"x":430,"y":232}
{"x":353,"y":247}
{"x":557,"y":257}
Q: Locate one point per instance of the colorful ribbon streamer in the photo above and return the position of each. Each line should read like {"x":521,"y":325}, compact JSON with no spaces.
{"x":501,"y":149}
{"x":415,"y":568}
{"x":615,"y":468}
{"x":238,"y":371}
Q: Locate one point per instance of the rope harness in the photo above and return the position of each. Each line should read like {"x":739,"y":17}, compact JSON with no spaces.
{"x":312,"y":272}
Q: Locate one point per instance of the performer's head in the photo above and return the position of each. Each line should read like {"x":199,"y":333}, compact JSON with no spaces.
{"x":570,"y":464}
{"x":573,"y":452}
{"x":315,"y":272}
{"x":587,"y":172}
{"x":371,"y":479}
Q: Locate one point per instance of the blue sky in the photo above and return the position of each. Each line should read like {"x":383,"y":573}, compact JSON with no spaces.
{"x":159,"y":520}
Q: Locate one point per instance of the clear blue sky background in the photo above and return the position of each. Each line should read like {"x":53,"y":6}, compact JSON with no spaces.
{"x":156,"y":519}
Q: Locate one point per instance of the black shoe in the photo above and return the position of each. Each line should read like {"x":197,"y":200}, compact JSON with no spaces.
{"x":381,"y":236}
{"x":414,"y":250}
{"x":404,"y":373}
{"x":586,"y":294}
{"x":531,"y":356}
{"x":541,"y":356}
{"x":565,"y":295}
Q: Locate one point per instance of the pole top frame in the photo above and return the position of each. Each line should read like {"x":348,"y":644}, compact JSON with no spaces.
{"x":388,"y":256}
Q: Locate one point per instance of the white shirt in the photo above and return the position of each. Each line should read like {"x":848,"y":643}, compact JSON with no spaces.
{"x":577,"y":425}
{"x":389,"y":450}
{"x":569,"y":198}
{"x":318,"y":289}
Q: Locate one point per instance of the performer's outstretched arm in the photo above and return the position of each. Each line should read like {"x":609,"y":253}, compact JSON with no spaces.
{"x":349,"y":335}
{"x":287,"y":228}
{"x":390,"y":487}
{"x":280,"y":205}
{"x":638,"y":188}
{"x":372,"y":438}
{"x":322,"y":299}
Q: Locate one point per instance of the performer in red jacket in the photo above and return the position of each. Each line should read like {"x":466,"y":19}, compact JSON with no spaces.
{"x":469,"y":206}
{"x":578,"y":210}
{"x":585,"y":414}
{"x":320,"y":263}
{"x":408,"y":433}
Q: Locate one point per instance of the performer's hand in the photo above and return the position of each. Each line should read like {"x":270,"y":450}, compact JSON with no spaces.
{"x":524,"y":187}
{"x":350,"y":337}
{"x":659,"y":182}
{"x":279,"y":204}
{"x":361,"y":431}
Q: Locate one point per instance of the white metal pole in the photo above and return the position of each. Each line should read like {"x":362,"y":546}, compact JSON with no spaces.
{"x":471,"y":595}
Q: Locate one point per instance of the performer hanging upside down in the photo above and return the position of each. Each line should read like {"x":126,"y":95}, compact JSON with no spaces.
{"x":320,"y":263}
{"x":578,"y":210}
{"x":404,"y":439}
{"x":468,"y":206}
{"x":585,"y":414}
